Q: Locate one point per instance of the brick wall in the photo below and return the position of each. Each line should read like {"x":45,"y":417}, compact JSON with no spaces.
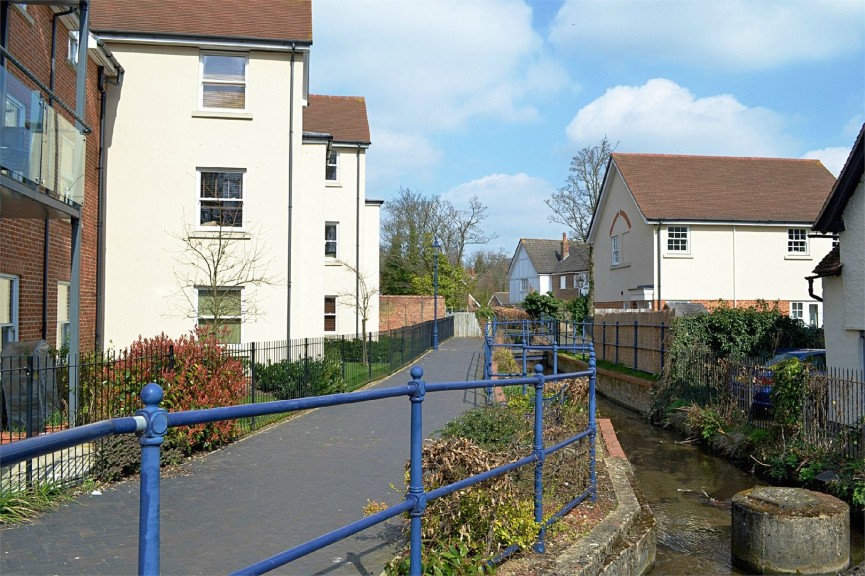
{"x":782,"y":305}
{"x":399,"y":311}
{"x":22,"y":240}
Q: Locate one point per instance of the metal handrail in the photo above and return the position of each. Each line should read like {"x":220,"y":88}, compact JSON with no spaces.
{"x":152,"y":423}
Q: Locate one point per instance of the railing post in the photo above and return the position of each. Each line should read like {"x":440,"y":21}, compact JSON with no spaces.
{"x":593,"y":429}
{"x":555,"y":358}
{"x":636,"y":328}
{"x":662,"y":348}
{"x":252,"y":378}
{"x":538,"y":451}
{"x":148,"y":516}
{"x":415,"y":489}
{"x":604,"y":339}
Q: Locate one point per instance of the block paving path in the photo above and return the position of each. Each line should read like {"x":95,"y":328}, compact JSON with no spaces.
{"x":262,"y":495}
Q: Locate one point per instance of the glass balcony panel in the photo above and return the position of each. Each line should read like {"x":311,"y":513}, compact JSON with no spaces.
{"x":38,"y":145}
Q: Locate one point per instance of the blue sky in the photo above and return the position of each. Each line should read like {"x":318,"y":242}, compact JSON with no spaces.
{"x":493,"y":97}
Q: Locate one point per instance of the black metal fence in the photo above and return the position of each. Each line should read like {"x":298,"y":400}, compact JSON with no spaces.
{"x":830,"y":404}
{"x":36,"y":396}
{"x":637,"y":343}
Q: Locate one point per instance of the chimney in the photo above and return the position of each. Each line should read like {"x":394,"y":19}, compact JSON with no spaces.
{"x":565,"y":245}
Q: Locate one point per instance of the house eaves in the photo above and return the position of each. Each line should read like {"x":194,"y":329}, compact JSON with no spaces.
{"x":830,"y":219}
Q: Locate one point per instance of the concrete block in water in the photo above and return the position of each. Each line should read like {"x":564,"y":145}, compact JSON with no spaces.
{"x":780,"y":530}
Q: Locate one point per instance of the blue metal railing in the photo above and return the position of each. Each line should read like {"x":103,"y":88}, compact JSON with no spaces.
{"x":152,"y":423}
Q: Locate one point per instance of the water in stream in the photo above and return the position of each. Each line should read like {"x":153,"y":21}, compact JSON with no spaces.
{"x":689,"y":493}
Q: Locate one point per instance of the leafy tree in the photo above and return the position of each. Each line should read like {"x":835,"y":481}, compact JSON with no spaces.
{"x":542,"y":305}
{"x":578,"y":308}
{"x":412,"y":221}
{"x":574,"y":203}
{"x":453,"y":284}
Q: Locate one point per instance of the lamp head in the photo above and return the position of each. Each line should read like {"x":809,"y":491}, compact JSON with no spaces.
{"x":436,"y":244}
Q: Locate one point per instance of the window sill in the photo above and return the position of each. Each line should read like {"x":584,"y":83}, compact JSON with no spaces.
{"x":210,"y":234}
{"x":617,"y":266}
{"x":798,"y":257}
{"x":333,"y":184}
{"x":332,"y":262}
{"x":221,"y":114}
{"x":685,"y":255}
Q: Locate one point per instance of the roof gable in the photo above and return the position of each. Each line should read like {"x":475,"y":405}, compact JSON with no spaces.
{"x":545,"y":255}
{"x":343,"y":117}
{"x":830,"y":218}
{"x":724,"y":189}
{"x":266,"y":20}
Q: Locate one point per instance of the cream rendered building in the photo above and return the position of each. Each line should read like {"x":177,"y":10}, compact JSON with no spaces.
{"x":843,"y":269}
{"x":703,"y":229}
{"x":208,"y":145}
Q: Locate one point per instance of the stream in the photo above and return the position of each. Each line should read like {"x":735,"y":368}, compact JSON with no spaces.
{"x":689,"y":493}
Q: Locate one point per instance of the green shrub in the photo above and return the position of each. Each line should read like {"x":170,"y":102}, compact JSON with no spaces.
{"x":492,"y":428}
{"x":288,"y":379}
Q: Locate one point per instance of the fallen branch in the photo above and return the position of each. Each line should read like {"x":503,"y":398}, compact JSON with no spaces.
{"x":758,"y":462}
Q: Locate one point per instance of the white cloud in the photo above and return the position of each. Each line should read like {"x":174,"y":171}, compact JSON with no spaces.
{"x":832,"y":158}
{"x":434,"y":64}
{"x":394,"y":154}
{"x":740,"y":34}
{"x":663,"y":117}
{"x":515,"y":204}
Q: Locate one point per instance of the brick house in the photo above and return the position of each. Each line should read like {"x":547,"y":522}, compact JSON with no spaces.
{"x":705,"y":229}
{"x":50,"y":184}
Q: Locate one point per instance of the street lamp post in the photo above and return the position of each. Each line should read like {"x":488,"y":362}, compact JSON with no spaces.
{"x":436,"y":247}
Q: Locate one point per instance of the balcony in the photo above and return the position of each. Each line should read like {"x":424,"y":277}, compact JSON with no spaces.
{"x":41,"y":156}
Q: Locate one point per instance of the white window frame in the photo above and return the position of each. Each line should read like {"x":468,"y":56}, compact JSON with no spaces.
{"x":239,"y":318}
{"x":331,"y":166}
{"x":524,"y":285}
{"x":797,"y":310}
{"x":679,"y":239}
{"x":63,"y":324}
{"x":330,"y":314}
{"x":563,"y":282}
{"x":797,"y":241}
{"x":9,"y":330}
{"x":334,"y":241}
{"x":216,"y":81}
{"x":615,"y":254}
{"x":72,"y":48}
{"x":200,"y":200}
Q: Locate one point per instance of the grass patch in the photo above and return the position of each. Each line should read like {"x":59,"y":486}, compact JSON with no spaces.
{"x":612,"y":367}
{"x":357,"y":374}
{"x":22,"y":507}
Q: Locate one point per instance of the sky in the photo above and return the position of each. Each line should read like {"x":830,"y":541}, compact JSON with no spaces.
{"x":494,"y":97}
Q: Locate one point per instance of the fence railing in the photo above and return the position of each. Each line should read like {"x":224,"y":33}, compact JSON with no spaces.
{"x":151,"y":423}
{"x":832,"y":408}
{"x":36,"y":395}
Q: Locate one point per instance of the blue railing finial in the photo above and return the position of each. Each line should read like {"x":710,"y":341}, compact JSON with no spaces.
{"x":416,"y":372}
{"x":539,"y":368}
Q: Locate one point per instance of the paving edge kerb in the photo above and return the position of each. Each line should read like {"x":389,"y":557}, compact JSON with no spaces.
{"x":624,"y":542}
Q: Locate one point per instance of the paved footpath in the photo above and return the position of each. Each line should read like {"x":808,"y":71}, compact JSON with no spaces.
{"x":269,"y":492}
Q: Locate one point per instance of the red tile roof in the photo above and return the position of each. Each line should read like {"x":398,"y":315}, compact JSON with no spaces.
{"x":725,"y":189}
{"x":343,"y":117}
{"x":279,"y":20}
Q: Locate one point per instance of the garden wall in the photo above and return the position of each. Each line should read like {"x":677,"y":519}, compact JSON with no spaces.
{"x":400,"y":311}
{"x":629,"y":391}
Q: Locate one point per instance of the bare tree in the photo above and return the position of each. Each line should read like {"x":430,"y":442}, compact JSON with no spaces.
{"x":462,"y":228}
{"x":215,"y":268}
{"x":575,"y":202}
{"x":362,"y":300}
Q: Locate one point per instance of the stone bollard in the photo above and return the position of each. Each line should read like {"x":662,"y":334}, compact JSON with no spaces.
{"x":789,"y":531}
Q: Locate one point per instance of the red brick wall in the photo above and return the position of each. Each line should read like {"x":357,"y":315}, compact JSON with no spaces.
{"x":22,"y":240}
{"x":782,"y":305}
{"x":398,"y":311}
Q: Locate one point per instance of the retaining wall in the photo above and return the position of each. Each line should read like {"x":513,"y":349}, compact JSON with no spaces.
{"x":629,"y":391}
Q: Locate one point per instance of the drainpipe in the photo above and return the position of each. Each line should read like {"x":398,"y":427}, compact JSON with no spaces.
{"x":290,"y":194}
{"x":658,"y":256}
{"x":100,"y":217}
{"x":357,"y":249}
{"x":810,"y":280}
{"x":735,"y":299}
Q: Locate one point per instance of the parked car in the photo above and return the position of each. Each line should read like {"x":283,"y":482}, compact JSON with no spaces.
{"x":754,"y":389}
